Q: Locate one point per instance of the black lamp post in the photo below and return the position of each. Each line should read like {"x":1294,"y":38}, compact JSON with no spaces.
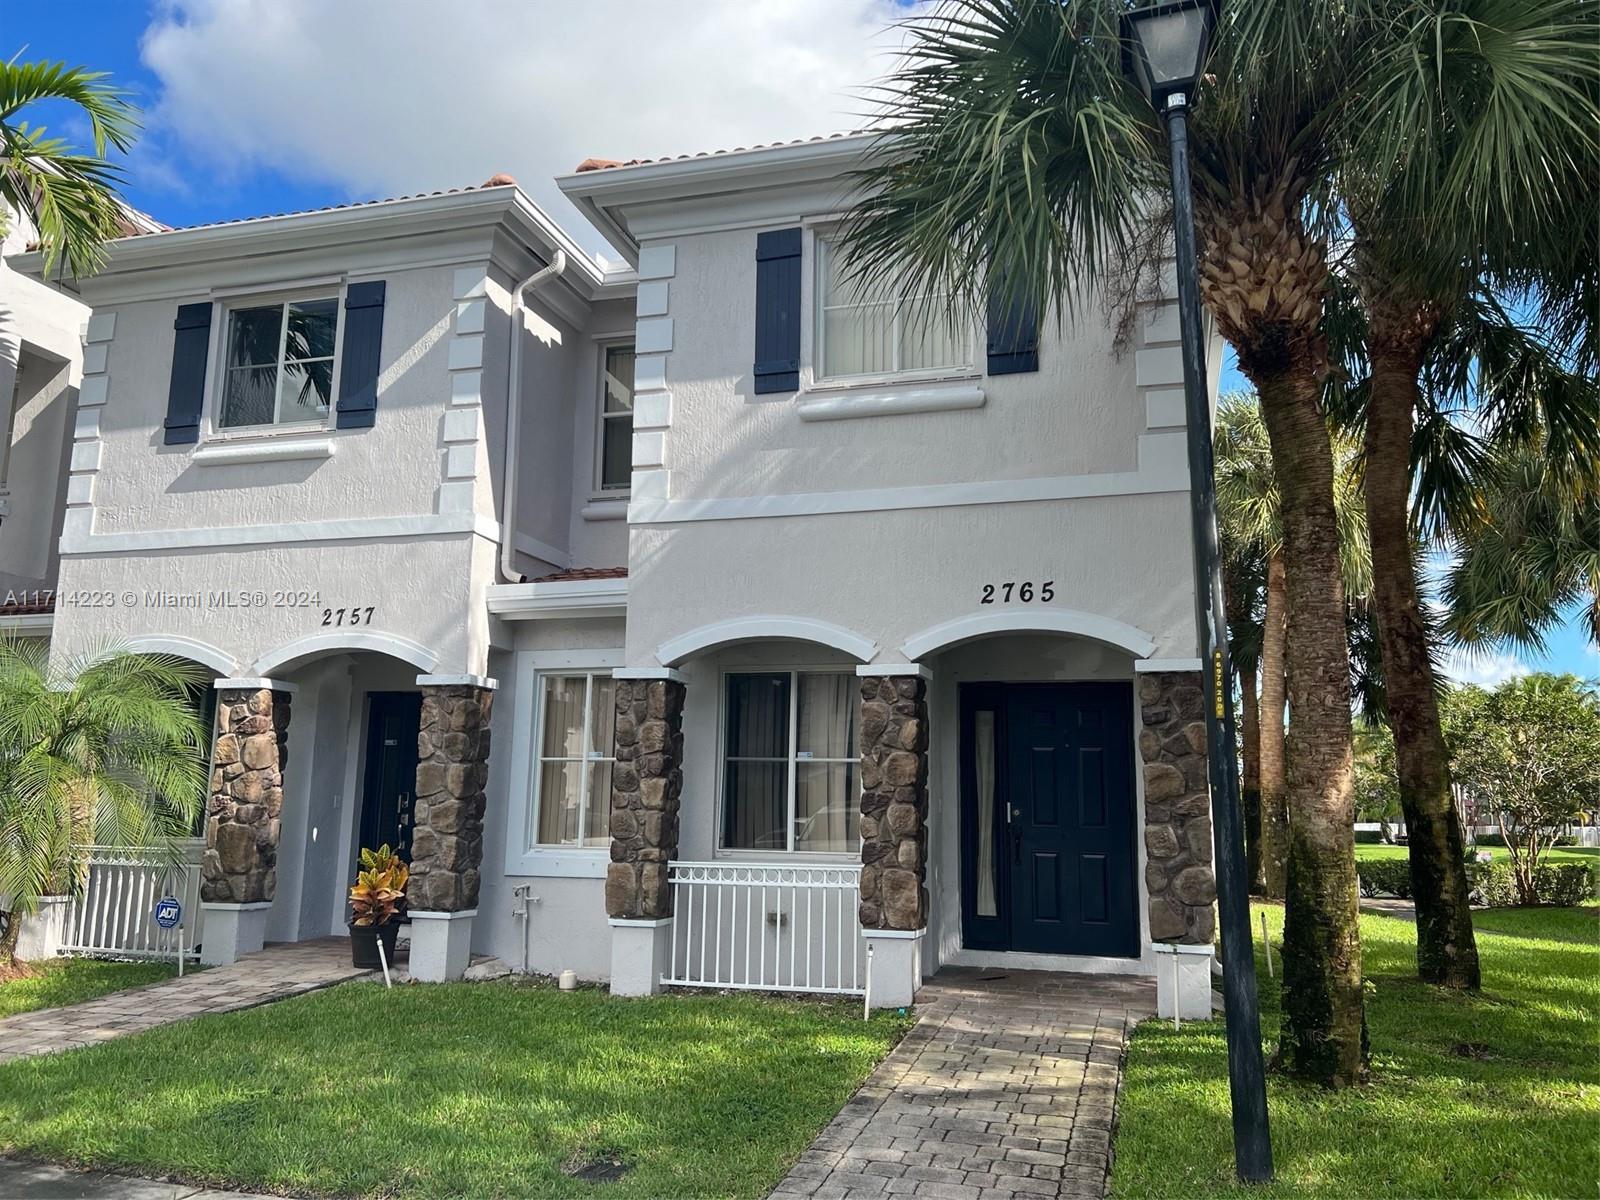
{"x":1166,"y":51}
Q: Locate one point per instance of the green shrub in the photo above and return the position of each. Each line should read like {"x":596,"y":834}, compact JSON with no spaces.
{"x":1385,"y":877}
{"x":1369,"y":837}
{"x":1491,"y":839}
{"x":1563,"y":884}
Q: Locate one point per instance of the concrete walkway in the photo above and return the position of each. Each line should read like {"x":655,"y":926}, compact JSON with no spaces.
{"x":276,"y":973}
{"x":1007,"y":1086}
{"x":42,"y":1181}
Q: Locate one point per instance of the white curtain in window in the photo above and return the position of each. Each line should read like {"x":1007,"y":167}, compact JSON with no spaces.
{"x":983,"y":756}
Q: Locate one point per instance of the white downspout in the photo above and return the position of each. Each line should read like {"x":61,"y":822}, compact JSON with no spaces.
{"x":508,"y":489}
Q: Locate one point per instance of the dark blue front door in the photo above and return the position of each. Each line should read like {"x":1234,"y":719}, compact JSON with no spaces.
{"x":1049,"y":837}
{"x":393,"y":719}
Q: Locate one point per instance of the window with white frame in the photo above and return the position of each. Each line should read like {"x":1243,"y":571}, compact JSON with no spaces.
{"x":790,"y":772}
{"x":871,"y":327}
{"x":572,"y":798}
{"x":615,"y":469}
{"x":278,"y":363}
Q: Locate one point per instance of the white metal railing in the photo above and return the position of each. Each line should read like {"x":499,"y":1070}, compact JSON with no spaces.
{"x":112,"y":912}
{"x":766,"y":927}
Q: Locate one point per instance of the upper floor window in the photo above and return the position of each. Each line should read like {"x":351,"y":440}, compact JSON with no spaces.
{"x":577,"y":715}
{"x":871,"y":327}
{"x":616,"y":419}
{"x":790,"y":762}
{"x":279,"y":363}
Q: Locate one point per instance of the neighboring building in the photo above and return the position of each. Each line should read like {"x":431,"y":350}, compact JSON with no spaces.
{"x":855,"y":640}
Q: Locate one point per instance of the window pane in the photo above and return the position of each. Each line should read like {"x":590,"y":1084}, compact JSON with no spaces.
{"x":604,"y":718}
{"x":841,"y":287}
{"x":596,"y":822}
{"x":307,"y":388}
{"x":754,"y":806}
{"x":248,"y":396}
{"x":758,"y":716}
{"x":616,"y":455}
{"x":825,"y":725}
{"x":563,"y":717}
{"x":929,"y":337}
{"x":826,"y":808}
{"x":619,"y":379}
{"x":858,"y":341}
{"x":312,"y":324}
{"x":560,"y":786}
{"x":254,"y":335}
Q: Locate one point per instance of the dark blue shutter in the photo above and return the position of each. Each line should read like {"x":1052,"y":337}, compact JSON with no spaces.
{"x":777,"y":311}
{"x":186,"y":390}
{"x":358,"y":369}
{"x":1013,"y":334}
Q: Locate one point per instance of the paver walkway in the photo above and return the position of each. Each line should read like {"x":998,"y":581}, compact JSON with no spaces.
{"x":279,"y":971}
{"x":42,"y":1181}
{"x":1007,"y":1086}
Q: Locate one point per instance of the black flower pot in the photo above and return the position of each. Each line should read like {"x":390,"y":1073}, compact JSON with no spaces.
{"x":364,"y":944}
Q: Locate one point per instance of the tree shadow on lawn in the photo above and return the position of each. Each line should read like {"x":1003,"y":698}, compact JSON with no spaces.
{"x":474,"y":1089}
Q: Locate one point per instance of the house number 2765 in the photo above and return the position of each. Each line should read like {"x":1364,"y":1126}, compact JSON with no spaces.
{"x":1023,"y":592}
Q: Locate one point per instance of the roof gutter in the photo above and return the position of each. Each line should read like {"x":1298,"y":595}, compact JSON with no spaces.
{"x":508,"y":499}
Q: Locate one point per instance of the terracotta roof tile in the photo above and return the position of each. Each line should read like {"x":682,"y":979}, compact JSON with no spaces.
{"x":28,"y":610}
{"x":607,"y":164}
{"x":575,"y":574}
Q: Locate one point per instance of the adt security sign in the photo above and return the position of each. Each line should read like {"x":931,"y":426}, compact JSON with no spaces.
{"x":168,"y":912}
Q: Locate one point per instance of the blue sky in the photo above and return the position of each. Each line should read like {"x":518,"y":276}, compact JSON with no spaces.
{"x":261,"y":106}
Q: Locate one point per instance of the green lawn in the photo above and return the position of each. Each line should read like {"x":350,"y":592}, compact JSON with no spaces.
{"x":457,"y":1090}
{"x":1493,"y":1095}
{"x":69,"y":980}
{"x":1589,"y":854}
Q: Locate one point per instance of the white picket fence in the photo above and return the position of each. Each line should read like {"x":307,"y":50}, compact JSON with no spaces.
{"x":112,"y":914}
{"x":766,"y":927}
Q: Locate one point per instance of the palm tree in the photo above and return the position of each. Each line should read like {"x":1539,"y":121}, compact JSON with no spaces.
{"x":108,"y":751}
{"x":1017,"y":154}
{"x":69,"y":197}
{"x":1248,"y":511}
{"x":1476,"y":150}
{"x":1244,"y":573}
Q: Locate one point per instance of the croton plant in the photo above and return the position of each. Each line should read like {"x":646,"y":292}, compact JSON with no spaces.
{"x":379,"y":895}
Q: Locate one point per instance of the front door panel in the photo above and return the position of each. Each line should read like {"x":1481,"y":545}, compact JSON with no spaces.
{"x":391,"y":771}
{"x":1063,"y":852}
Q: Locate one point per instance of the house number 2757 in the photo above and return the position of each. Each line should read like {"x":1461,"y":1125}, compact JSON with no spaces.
{"x":1025,"y":592}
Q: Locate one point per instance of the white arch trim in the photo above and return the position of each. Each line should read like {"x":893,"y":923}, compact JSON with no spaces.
{"x":1055,"y":620}
{"x":292,"y":654}
{"x":748,"y":629}
{"x":203,"y":653}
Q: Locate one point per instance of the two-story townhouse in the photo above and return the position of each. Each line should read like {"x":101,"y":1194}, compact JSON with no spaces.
{"x":890,"y":665}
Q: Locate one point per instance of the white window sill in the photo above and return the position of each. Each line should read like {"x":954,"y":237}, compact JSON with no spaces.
{"x":557,"y":862}
{"x":225,"y":453}
{"x":791,"y":858}
{"x":888,"y":398}
{"x":608,"y":508}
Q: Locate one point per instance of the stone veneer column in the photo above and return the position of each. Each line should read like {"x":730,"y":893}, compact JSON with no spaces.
{"x":238,"y":873}
{"x":893,"y":908}
{"x":1178,"y":874}
{"x":447,"y":839}
{"x":646,"y":785}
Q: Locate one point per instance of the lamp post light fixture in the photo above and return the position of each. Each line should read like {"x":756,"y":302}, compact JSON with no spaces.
{"x":1165,"y":52}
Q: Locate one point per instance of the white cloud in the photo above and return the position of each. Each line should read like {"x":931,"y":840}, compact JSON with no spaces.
{"x":384,"y":97}
{"x":1484,"y":668}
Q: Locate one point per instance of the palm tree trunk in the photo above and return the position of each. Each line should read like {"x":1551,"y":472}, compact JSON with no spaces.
{"x":1250,"y":779}
{"x":1447,"y":953}
{"x":1274,"y":792}
{"x":1323,"y":1035}
{"x":8,"y":940}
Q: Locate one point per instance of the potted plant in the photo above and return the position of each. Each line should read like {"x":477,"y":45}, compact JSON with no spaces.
{"x":377,"y":901}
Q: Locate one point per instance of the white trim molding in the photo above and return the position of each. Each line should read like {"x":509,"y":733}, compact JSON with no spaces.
{"x":764,"y":628}
{"x":1147,"y":665}
{"x":639,"y":922}
{"x":227,"y":454}
{"x":894,"y":670}
{"x":193,"y":649}
{"x":648,"y":673}
{"x":355,"y":529}
{"x":895,"y":934}
{"x":28,"y":624}
{"x":843,"y":404}
{"x":477,"y":681}
{"x":1056,"y":620}
{"x":315,"y":645}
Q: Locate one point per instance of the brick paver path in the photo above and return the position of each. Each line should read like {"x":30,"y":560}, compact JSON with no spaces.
{"x":279,"y":971}
{"x":1006,"y":1087}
